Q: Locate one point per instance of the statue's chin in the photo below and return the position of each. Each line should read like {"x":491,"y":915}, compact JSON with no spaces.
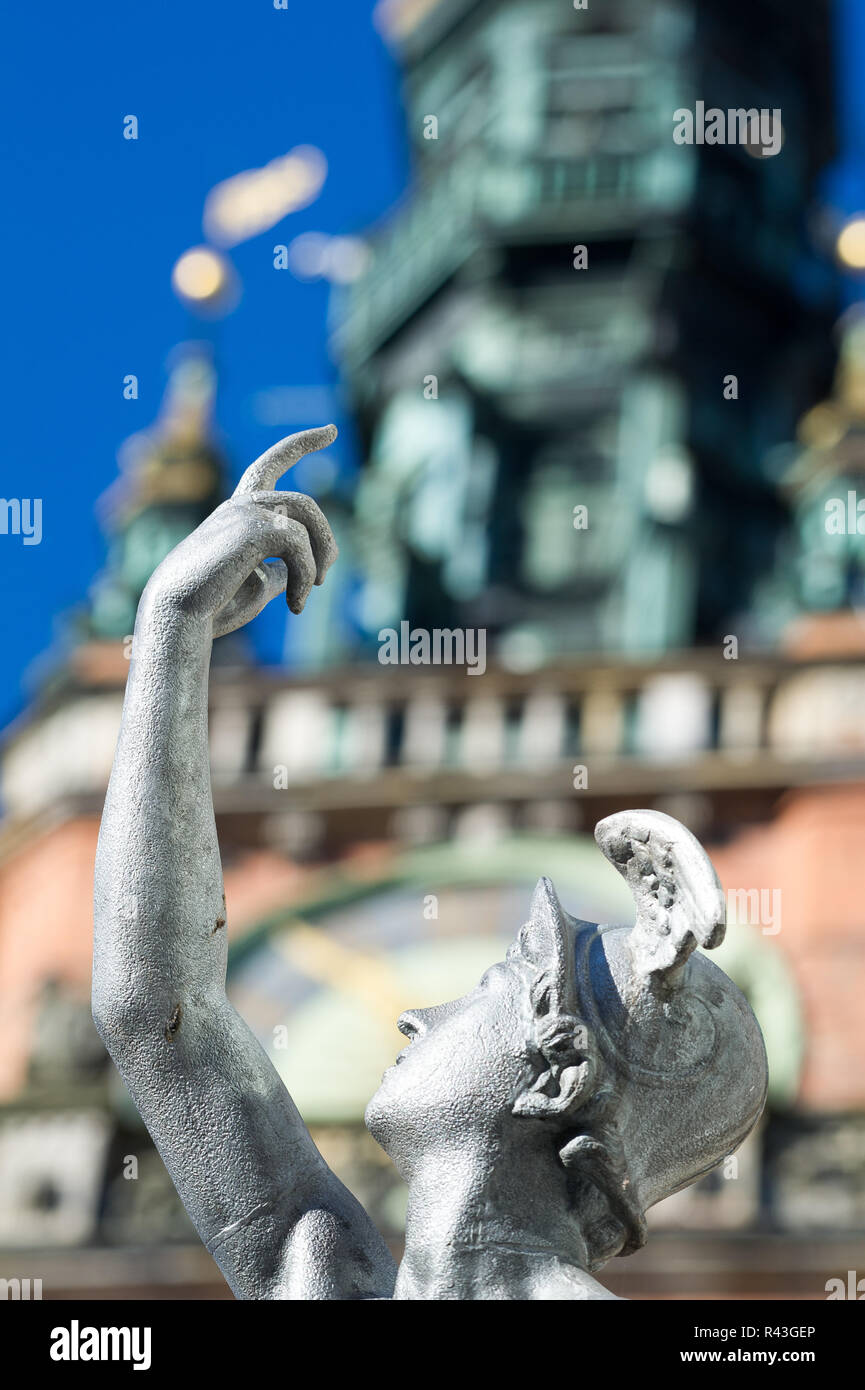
{"x":382,"y":1119}
{"x":375,"y":1117}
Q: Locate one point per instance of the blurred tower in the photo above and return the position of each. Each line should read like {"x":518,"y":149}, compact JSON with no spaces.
{"x":171,"y":479}
{"x":66,"y":1129}
{"x":826,"y":569}
{"x":572,"y":310}
{"x":56,"y":758}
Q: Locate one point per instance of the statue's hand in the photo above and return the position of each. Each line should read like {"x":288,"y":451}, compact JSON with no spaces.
{"x":221,"y":574}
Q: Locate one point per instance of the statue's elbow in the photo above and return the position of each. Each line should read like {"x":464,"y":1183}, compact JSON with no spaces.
{"x":118,"y":1020}
{"x":105,"y":1019}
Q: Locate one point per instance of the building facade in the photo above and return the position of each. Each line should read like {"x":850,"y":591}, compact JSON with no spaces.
{"x":554,"y":455}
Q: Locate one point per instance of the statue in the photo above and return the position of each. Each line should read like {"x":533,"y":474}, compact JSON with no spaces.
{"x":593,"y":1072}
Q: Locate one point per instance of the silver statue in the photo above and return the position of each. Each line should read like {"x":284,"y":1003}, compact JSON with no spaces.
{"x":590,"y":1074}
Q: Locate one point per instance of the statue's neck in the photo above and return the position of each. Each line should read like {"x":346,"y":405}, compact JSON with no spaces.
{"x":481,"y":1225}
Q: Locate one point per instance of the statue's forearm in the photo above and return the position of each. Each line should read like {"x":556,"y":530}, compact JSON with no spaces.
{"x":252,"y":1180}
{"x":160,"y":912}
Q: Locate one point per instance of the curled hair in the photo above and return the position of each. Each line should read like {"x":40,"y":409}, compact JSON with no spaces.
{"x":593,"y":1155}
{"x":613,"y":1222}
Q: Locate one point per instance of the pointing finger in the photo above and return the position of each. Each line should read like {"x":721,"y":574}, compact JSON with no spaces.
{"x":265,"y":472}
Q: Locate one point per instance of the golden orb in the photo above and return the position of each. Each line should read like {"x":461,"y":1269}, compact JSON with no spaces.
{"x":850,"y":246}
{"x":201,"y":276}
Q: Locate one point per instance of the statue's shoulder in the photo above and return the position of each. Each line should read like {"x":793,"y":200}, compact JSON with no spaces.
{"x":574,"y":1285}
{"x":336,"y":1254}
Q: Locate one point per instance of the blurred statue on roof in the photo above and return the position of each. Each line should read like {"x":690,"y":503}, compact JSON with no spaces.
{"x":171,"y":478}
{"x":590,"y":1074}
{"x":826,"y":486}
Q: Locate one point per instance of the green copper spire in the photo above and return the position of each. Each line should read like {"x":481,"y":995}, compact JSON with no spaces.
{"x":171,"y":477}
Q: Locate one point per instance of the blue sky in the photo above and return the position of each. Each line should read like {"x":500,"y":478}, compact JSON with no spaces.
{"x":94,"y":224}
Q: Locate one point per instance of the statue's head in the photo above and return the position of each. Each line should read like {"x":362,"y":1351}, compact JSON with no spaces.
{"x":615,"y":1057}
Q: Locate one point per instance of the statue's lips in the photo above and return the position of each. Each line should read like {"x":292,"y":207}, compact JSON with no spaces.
{"x":401,"y":1056}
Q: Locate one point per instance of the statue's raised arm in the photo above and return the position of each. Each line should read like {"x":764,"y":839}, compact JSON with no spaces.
{"x":591,"y":1073}
{"x":274,"y":1216}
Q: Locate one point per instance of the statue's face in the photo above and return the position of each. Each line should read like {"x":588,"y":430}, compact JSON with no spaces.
{"x":464,"y":1065}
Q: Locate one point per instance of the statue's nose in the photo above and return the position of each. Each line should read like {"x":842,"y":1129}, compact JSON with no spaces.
{"x":411,"y":1023}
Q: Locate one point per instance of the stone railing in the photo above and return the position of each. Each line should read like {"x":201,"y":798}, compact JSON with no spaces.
{"x":378,"y":735}
{"x":725,"y":723}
